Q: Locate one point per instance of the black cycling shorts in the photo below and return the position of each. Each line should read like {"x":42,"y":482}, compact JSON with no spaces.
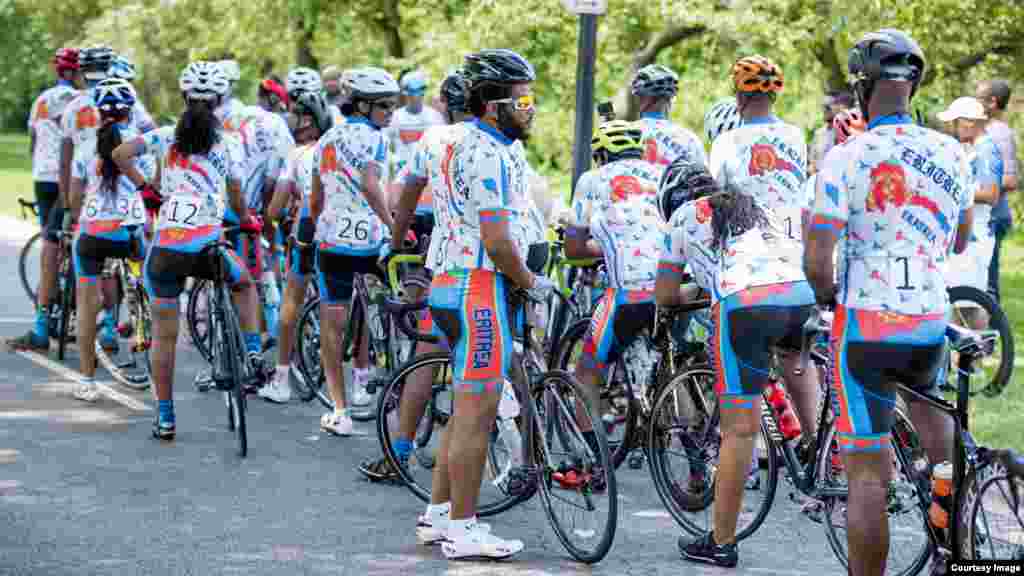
{"x":166,"y":272}
{"x":336,"y":275}
{"x":47,"y":196}
{"x":89,"y":253}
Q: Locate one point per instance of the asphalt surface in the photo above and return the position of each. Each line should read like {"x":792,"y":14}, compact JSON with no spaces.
{"x":84,"y":489}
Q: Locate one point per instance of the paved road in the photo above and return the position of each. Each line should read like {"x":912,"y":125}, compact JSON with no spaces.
{"x":84,"y":489}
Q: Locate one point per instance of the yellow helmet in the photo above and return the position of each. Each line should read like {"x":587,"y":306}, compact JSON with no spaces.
{"x":616,"y":136}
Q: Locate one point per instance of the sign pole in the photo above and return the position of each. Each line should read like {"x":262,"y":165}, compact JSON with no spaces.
{"x":585,"y":56}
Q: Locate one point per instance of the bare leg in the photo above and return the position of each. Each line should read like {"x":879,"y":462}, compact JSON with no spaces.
{"x":867,"y":522}
{"x":88,"y":304}
{"x":739,"y":431}
{"x":333,"y":318}
{"x":805,"y":392}
{"x":467,"y":448}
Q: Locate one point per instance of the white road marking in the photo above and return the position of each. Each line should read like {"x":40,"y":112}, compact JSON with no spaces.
{"x":772,"y":571}
{"x":652,"y":514}
{"x":17,"y":319}
{"x":70,"y":374}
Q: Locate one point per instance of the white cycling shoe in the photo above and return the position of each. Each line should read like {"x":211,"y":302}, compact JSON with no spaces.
{"x":478,"y":544}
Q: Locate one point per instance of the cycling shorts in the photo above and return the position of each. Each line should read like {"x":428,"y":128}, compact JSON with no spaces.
{"x":620,"y":317}
{"x":166,"y":271}
{"x":871,"y":351}
{"x":425,"y":325}
{"x":250,"y":248}
{"x":54,"y":222}
{"x":336,"y":275}
{"x":473,"y":310}
{"x":89,"y":253}
{"x":47,"y":196}
{"x":747,"y":325}
{"x":300,"y":260}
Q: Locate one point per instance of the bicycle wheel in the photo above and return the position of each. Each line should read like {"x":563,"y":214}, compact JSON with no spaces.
{"x":993,"y":522}
{"x":235,"y":365}
{"x":975,"y":309}
{"x":349,"y":347}
{"x":908,"y":498}
{"x":307,"y":350}
{"x":200,"y":318}
{"x":28,"y":265}
{"x":67,"y":306}
{"x":586,"y":526}
{"x":683,"y":442}
{"x":417,"y":472}
{"x":618,"y":407}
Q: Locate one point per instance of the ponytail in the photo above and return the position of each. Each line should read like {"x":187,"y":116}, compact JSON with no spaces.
{"x":732,"y":214}
{"x":197,"y":130}
{"x":108,"y":137}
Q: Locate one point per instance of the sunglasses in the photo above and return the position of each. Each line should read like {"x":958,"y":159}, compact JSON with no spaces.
{"x":385,"y":105}
{"x":523,"y":103}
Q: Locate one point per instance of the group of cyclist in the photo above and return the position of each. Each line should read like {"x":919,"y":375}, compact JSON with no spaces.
{"x":870,"y":234}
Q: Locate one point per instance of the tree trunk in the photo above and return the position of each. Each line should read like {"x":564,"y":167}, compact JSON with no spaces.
{"x":625,"y":104}
{"x":391,"y":25}
{"x":825,"y":48}
{"x":304,"y":46}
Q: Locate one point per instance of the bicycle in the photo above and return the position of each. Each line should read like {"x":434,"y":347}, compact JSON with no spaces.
{"x":550,"y":404}
{"x":135,"y":371}
{"x":29,"y":257}
{"x":978,"y":311}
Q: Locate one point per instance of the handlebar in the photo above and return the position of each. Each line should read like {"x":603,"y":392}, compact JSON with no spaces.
{"x":396,"y":261}
{"x":402,"y":313}
{"x":28,"y":205}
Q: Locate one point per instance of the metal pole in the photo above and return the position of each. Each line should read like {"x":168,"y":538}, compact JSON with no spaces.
{"x":586,"y":53}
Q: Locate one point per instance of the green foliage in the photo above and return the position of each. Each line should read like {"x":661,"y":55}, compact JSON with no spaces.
{"x":27,"y":49}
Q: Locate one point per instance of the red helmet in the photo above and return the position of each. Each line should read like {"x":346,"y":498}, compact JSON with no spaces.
{"x":847,"y":124}
{"x":66,"y":59}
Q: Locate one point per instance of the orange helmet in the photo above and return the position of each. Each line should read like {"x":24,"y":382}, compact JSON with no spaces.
{"x":756,"y":74}
{"x":847,"y":124}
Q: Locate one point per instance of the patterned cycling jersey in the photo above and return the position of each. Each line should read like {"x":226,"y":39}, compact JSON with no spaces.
{"x":45,"y":122}
{"x":665,"y":141}
{"x":405,"y":131}
{"x":105,"y":212}
{"x":426,"y":163}
{"x":987,"y":169}
{"x":765,"y":158}
{"x":618,"y":202}
{"x":298,"y":172}
{"x":336,"y":114}
{"x":760,"y":256}
{"x":348,"y":225}
{"x":195,"y":188}
{"x":487,"y":176}
{"x":265,"y":140}
{"x":894,"y":199}
{"x":81,"y":119}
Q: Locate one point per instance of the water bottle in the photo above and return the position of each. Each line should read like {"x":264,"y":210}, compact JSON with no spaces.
{"x":508,"y":410}
{"x":789,"y":424}
{"x":641,"y":364}
{"x":942,"y":495}
{"x":271,"y":301}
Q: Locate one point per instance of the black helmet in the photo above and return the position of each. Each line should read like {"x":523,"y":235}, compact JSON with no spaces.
{"x":887,"y":54}
{"x":454,"y":92}
{"x":315,"y":104}
{"x":681,"y":182}
{"x":501,"y":66}
{"x":96,"y":59}
{"x":655,"y":80}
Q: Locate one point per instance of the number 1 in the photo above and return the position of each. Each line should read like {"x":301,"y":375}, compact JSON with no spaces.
{"x":906,"y":274}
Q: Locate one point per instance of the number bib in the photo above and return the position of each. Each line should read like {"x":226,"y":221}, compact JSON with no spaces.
{"x":100,"y":209}
{"x":903,"y":280}
{"x":181,"y":212}
{"x":355,"y":231}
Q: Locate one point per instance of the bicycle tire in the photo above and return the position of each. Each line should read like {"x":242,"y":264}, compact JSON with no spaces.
{"x":200,"y":337}
{"x":353,"y":328}
{"x":980,"y":486}
{"x":619,"y":450}
{"x":234,"y":363}
{"x":902,"y":428}
{"x":141,"y":321}
{"x":307,"y":347}
{"x":685,"y":508}
{"x":554,"y":387}
{"x":67,"y":303}
{"x":387,"y":404}
{"x":24,"y":264}
{"x":999,"y":323}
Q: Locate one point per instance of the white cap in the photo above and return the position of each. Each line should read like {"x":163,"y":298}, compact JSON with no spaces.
{"x":966,"y":108}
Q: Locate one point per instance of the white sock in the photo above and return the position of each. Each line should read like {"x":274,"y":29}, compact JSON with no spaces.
{"x":89,"y":381}
{"x":437,"y":511}
{"x":282,"y":373}
{"x":341,"y":411}
{"x":460,"y":527}
{"x":360,"y":373}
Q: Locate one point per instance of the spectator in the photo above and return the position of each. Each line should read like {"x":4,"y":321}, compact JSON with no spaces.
{"x":331,"y":77}
{"x":834,"y":102}
{"x":995,"y":96}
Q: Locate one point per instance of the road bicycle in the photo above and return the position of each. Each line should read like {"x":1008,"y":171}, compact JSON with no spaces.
{"x":131,"y":367}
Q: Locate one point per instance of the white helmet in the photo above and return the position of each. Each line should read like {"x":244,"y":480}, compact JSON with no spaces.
{"x":372,"y":83}
{"x":121,"y":67}
{"x":231,"y":70}
{"x":202,"y":80}
{"x":302,"y":80}
{"x":721,"y":118}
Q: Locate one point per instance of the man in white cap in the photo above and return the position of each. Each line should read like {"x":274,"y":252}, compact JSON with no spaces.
{"x":970,"y":268}
{"x":409,"y":123}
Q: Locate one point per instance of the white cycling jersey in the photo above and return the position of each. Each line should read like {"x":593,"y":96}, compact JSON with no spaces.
{"x":45,"y":122}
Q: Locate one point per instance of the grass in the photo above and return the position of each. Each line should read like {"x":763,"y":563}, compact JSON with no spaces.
{"x":15,"y":173}
{"x":994,"y":421}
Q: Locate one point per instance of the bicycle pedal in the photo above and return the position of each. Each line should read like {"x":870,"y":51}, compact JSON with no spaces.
{"x":373,"y":383}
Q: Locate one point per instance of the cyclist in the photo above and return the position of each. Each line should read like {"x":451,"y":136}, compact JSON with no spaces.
{"x":409,"y":124}
{"x":353,"y":222}
{"x":308,"y":80}
{"x":970,"y":268}
{"x":739,"y":253}
{"x":615,"y":216}
{"x":271,"y":96}
{"x":79,"y":123}
{"x":720,"y":118}
{"x":846,"y":124}
{"x":109,"y":210}
{"x":190,"y":217}
{"x":309,"y":120}
{"x":331,"y":76}
{"x":45,"y":136}
{"x":233,"y":72}
{"x":421,"y":178}
{"x":896,"y":201}
{"x":482,"y":249}
{"x":655,"y":88}
{"x":767,"y":158}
